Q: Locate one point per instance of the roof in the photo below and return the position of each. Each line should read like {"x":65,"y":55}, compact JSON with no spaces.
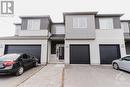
{"x":35,"y":17}
{"x":125,"y":20}
{"x":58,"y":23}
{"x":109,"y":15}
{"x":79,"y":13}
{"x":23,"y":38}
{"x":17,"y":23}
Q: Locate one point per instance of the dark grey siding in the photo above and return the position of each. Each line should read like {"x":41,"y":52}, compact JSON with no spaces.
{"x":97,"y":23}
{"x":24,"y":24}
{"x":129,"y":25}
{"x":80,"y":33}
{"x":44,"y":24}
{"x":127,"y":44}
{"x":116,"y":22}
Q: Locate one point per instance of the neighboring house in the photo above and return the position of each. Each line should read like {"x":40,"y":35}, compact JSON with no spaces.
{"x":125,"y":24}
{"x":83,"y":38}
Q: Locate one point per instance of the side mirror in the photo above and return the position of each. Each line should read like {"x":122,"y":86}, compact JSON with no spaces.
{"x":121,"y":59}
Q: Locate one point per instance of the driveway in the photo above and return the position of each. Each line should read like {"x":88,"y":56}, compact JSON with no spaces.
{"x":14,"y":81}
{"x":95,"y":76}
{"x":49,"y":76}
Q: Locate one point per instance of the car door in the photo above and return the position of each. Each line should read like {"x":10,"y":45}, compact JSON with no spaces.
{"x":26,"y":60}
{"x":125,"y":63}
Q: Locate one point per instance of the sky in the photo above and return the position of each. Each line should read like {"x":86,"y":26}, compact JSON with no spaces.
{"x":55,"y":9}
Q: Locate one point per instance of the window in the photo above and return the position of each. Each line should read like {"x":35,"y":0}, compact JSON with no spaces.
{"x":106,"y":23}
{"x":126,"y":58}
{"x":26,"y":56}
{"x":79,"y":22}
{"x":33,"y":24}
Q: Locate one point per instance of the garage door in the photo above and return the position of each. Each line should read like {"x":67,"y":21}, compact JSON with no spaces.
{"x":108,"y":53}
{"x":79,"y":54}
{"x":34,"y":50}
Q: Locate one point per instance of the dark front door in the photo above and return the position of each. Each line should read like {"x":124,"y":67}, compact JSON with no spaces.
{"x":79,"y":54}
{"x":34,"y":50}
{"x":108,"y":53}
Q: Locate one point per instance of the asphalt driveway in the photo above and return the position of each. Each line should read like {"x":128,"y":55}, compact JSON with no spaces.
{"x":95,"y":76}
{"x":14,"y":81}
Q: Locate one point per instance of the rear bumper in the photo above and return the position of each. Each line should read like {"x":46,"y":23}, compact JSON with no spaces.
{"x":8,"y":71}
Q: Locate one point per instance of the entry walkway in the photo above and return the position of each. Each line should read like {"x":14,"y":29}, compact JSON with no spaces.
{"x":49,"y":76}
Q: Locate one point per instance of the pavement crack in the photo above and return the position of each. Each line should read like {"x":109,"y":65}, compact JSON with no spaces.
{"x":62,"y":79}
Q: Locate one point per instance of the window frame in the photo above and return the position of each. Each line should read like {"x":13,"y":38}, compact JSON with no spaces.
{"x":107,"y":20}
{"x":33,"y":24}
{"x":77,"y":22}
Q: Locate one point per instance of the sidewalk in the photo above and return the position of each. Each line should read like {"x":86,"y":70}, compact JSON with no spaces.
{"x":49,"y":76}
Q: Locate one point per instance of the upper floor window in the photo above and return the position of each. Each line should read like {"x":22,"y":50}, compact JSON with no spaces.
{"x":33,"y":24}
{"x":106,"y":23}
{"x":79,"y":22}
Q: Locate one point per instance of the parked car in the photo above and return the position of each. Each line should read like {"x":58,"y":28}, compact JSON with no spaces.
{"x":16,"y":63}
{"x":122,"y":63}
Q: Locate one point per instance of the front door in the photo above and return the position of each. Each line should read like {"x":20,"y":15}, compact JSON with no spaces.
{"x":60,"y":51}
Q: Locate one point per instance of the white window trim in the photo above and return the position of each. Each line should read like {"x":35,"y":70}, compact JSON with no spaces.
{"x":33,"y":24}
{"x":77,"y":22}
{"x":101,"y":20}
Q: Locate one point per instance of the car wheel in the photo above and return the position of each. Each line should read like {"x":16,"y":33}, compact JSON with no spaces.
{"x":115,"y":66}
{"x":35,"y":64}
{"x":20,"y":71}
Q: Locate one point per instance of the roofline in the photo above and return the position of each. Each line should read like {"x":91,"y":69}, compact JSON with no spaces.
{"x":58,"y":23}
{"x":17,"y":23}
{"x":109,"y":15}
{"x":125,"y":20}
{"x":80,"y":13}
{"x":23,"y":38}
{"x":35,"y":17}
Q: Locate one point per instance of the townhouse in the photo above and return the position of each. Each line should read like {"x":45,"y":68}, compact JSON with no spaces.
{"x":82,"y":38}
{"x":125,"y":24}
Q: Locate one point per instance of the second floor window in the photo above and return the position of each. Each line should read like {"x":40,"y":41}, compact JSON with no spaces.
{"x":79,"y":22}
{"x":106,"y":23}
{"x":33,"y":24}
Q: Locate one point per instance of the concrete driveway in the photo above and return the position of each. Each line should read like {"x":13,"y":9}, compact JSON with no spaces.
{"x":14,"y":81}
{"x":49,"y":76}
{"x":95,"y":76}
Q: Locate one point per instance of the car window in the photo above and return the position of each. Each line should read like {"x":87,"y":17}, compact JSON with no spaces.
{"x":25,"y":56}
{"x":9,"y":57}
{"x":127,"y":58}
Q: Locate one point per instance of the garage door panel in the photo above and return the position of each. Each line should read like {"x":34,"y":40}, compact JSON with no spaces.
{"x":79,"y":54}
{"x":108,"y":53}
{"x":34,"y":50}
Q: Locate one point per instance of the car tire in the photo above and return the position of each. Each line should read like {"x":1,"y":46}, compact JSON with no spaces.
{"x":20,"y":71}
{"x":35,"y":64}
{"x":115,"y":66}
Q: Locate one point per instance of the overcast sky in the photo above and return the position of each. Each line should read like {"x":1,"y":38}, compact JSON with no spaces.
{"x":55,"y":8}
